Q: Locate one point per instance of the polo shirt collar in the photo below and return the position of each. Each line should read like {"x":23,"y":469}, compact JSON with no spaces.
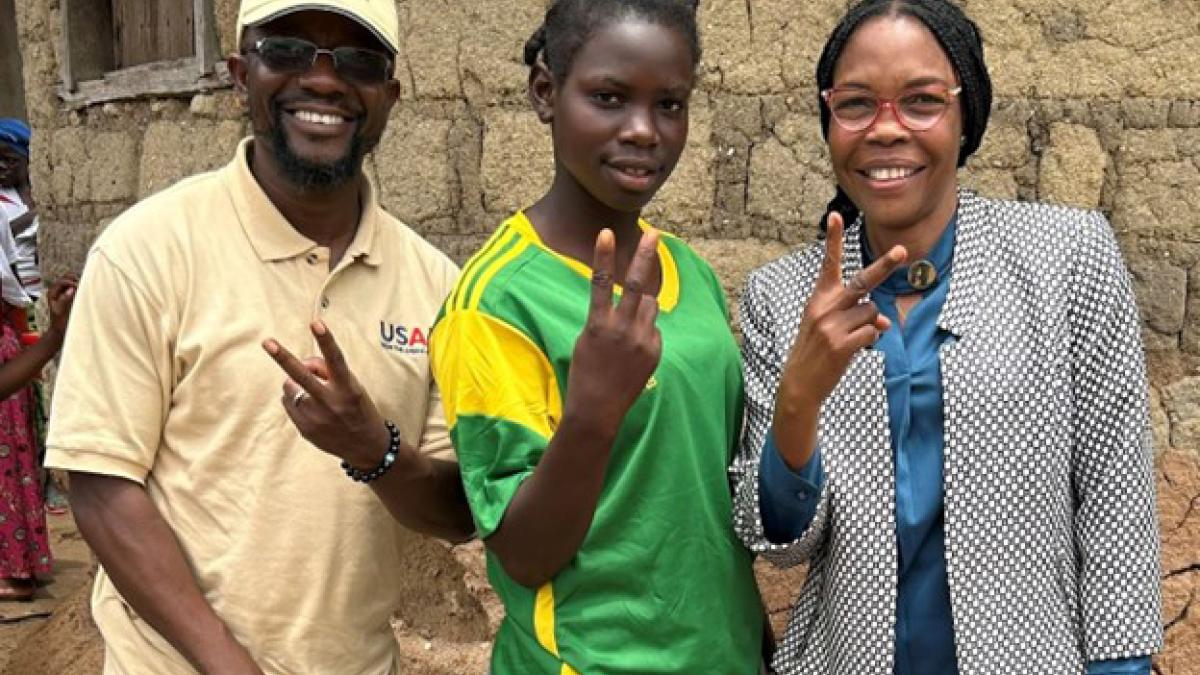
{"x":271,"y":236}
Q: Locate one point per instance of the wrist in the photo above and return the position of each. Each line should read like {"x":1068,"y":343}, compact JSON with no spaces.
{"x":224,"y":653}
{"x":587,"y":421}
{"x":54,"y":336}
{"x":796,"y":402}
{"x":366,"y":455}
{"x":795,"y":430}
{"x":365,"y":473}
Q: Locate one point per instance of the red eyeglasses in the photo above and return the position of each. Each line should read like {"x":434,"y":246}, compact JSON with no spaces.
{"x":917,"y":109}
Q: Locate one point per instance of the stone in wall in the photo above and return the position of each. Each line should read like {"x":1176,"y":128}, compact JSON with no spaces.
{"x":684,"y":205}
{"x":1142,"y":113}
{"x":491,"y":65}
{"x":1190,"y":340}
{"x":1160,"y":422}
{"x":431,"y":30}
{"x":225,"y":20}
{"x":776,"y":181}
{"x":224,"y":105}
{"x":1184,"y":114}
{"x":733,"y":260}
{"x":175,"y":149}
{"x":790,"y":180}
{"x":1082,"y":49}
{"x":1182,"y":399}
{"x":518,"y":160}
{"x":92,"y":166}
{"x":417,"y":181}
{"x":744,"y":51}
{"x":994,"y":183}
{"x":1162,"y":293}
{"x":1073,"y":166}
{"x":1159,"y":200}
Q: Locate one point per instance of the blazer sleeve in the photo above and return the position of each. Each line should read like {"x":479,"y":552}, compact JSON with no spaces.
{"x":1116,"y":533}
{"x":763,"y":357}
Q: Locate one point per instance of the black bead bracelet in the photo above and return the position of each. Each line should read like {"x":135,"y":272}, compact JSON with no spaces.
{"x":389,"y":458}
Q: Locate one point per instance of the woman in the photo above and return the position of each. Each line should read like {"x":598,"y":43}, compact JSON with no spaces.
{"x":593,"y":433}
{"x":24,"y":541}
{"x":946,"y":406}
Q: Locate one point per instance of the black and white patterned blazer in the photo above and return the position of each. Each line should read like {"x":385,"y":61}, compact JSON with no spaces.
{"x":1050,"y":525}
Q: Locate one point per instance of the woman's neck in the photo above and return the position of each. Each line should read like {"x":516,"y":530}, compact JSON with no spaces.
{"x":568,"y":219}
{"x":918,"y":238}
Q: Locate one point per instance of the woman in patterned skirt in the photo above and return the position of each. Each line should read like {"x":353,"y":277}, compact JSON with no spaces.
{"x":24,"y":542}
{"x":946,"y":401}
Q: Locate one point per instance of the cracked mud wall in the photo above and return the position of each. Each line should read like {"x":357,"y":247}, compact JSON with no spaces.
{"x":1097,"y":105}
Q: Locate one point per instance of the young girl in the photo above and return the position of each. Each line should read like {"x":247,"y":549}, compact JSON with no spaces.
{"x":979,"y":499}
{"x":594,"y":431}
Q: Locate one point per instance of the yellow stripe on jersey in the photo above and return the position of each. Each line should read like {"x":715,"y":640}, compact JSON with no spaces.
{"x":494,"y":370}
{"x":543,"y":624}
{"x":495,"y":244}
{"x":543,"y":618}
{"x":493,"y":267}
{"x":668,"y":294}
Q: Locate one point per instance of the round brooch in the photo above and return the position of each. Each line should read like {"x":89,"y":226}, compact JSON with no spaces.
{"x":922,"y":274}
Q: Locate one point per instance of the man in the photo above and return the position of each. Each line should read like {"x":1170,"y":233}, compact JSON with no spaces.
{"x":228,"y":544}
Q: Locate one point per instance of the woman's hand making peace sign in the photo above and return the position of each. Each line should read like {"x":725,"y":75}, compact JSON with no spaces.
{"x":834,"y":326}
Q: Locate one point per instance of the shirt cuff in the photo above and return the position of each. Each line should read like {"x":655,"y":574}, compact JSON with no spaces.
{"x":787,"y":499}
{"x":1138,"y":665}
{"x":91,"y":461}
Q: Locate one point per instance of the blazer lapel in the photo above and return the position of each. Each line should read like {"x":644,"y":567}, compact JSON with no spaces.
{"x":970,"y":248}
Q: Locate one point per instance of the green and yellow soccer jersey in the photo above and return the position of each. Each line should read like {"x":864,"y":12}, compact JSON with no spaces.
{"x":660,"y":583}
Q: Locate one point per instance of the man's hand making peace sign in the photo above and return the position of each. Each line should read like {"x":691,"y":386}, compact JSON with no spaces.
{"x":333,"y":411}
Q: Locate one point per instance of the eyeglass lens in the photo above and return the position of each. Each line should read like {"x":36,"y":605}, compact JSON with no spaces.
{"x":917,"y":109}
{"x":294,"y":55}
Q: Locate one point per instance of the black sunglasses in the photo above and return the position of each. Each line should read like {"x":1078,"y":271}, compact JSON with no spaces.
{"x":294,"y":55}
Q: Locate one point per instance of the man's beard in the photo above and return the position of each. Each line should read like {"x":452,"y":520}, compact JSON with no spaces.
{"x":314,"y":175}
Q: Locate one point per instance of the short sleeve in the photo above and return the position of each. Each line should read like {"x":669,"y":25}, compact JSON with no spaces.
{"x":435,"y":436}
{"x":502,"y":405}
{"x":114,"y":381}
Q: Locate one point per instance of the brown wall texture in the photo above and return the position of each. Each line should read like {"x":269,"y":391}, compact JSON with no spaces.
{"x":1098,"y":105}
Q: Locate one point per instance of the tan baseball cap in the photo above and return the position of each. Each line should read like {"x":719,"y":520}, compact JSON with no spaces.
{"x":379,"y":16}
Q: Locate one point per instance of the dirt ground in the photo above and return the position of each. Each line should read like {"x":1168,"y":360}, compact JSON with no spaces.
{"x":72,"y":561}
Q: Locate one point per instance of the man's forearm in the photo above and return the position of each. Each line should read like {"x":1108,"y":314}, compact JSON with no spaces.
{"x":426,"y":495}
{"x":146,"y":564}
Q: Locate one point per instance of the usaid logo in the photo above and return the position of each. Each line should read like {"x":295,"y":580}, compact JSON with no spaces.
{"x":403,"y":339}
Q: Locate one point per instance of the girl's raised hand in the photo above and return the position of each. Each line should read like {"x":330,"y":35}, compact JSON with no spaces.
{"x":620,"y":346}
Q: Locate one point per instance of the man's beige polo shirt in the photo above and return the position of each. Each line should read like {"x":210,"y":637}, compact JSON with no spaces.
{"x":163,"y":381}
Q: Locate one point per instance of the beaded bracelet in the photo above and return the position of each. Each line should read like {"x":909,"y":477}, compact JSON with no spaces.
{"x":389,"y":458}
